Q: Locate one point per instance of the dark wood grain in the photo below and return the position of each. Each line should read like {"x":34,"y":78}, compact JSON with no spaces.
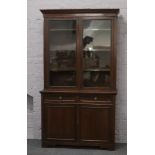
{"x":72,"y":11}
{"x":95,"y":123}
{"x":60,"y":122}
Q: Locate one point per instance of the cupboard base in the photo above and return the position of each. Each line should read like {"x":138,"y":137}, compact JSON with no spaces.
{"x":50,"y":144}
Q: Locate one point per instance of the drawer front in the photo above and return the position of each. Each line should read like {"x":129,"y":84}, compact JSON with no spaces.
{"x":95,"y":97}
{"x":58,"y":97}
{"x":77,"y":98}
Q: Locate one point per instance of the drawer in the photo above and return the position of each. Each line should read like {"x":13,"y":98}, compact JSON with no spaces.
{"x":59,"y":97}
{"x":95,"y":97}
{"x":76,"y":98}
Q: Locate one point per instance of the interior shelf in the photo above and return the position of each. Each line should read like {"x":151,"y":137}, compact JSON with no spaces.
{"x":100,"y":49}
{"x":62,"y":29}
{"x":96,"y":69}
{"x":97,"y":29}
{"x":60,"y":70}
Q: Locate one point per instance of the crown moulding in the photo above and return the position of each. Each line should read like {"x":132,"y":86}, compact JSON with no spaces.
{"x":79,"y":11}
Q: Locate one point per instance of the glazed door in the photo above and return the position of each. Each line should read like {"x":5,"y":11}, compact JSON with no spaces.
{"x":61,"y":54}
{"x":97,"y":53}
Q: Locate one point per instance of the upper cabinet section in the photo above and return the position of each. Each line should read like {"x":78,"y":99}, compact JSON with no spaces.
{"x":79,"y":49}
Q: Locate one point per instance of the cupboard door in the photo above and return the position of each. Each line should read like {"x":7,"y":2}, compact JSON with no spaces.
{"x":95,"y":123}
{"x":60,"y":122}
{"x":97,"y":49}
{"x":62,"y":52}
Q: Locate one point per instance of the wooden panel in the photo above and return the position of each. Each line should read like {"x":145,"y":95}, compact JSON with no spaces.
{"x":95,"y":97}
{"x":63,"y":11}
{"x":59,"y":97}
{"x":95,"y":123}
{"x":60,"y":122}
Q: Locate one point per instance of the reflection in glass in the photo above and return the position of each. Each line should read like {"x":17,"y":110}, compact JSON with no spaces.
{"x":96,"y":53}
{"x":62,"y":60}
{"x":96,"y":78}
{"x":99,"y":31}
{"x":96,"y":60}
{"x":62,"y":78}
{"x":62,"y":48}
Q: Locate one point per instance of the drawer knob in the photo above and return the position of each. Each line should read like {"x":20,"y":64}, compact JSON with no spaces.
{"x":60,"y":97}
{"x":95,"y":98}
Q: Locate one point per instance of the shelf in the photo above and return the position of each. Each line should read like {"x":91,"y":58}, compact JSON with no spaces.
{"x":62,"y":50}
{"x":62,"y":29}
{"x":100,"y":49}
{"x":96,"y":69}
{"x":95,"y":29}
{"x":62,"y":70}
{"x":86,"y":70}
{"x":83,"y":29}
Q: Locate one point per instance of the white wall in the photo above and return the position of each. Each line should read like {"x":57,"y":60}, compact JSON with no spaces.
{"x":35,"y":58}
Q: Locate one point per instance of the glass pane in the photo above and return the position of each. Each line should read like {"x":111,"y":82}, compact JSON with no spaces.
{"x":96,"y":78}
{"x":62,"y":48}
{"x":96,"y":53}
{"x":62,"y":78}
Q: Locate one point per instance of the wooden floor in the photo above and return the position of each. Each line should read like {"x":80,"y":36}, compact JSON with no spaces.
{"x":34,"y":148}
